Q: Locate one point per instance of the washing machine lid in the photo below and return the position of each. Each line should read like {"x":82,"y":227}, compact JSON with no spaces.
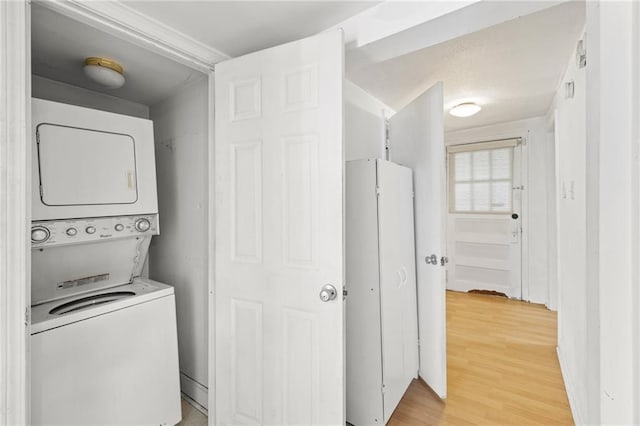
{"x":48,"y":316}
{"x":67,"y":270}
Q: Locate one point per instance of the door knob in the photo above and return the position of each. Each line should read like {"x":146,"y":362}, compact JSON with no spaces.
{"x":444,"y":260}
{"x":328,"y":293}
{"x":431,"y":260}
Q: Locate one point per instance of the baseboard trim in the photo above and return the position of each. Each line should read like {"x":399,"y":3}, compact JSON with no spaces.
{"x":196,"y":394}
{"x":194,"y":404}
{"x":569,"y":387}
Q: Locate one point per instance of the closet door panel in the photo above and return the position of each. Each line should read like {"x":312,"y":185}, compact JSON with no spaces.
{"x":397,"y":282}
{"x":363,"y":340}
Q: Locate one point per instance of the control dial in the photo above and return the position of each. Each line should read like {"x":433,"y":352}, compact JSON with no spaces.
{"x":90,"y":229}
{"x":39,"y":234}
{"x":142,"y":225}
{"x":119,"y":227}
{"x":71,"y":232}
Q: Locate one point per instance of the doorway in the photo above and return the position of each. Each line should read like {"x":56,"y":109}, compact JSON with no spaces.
{"x":484,"y":219}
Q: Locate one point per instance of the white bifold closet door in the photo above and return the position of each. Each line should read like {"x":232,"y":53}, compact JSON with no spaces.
{"x":397,"y":282}
{"x":382,"y":323}
{"x":279,"y":349}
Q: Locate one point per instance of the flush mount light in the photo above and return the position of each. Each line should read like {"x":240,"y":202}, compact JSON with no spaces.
{"x":466,"y":109}
{"x":104,"y":71}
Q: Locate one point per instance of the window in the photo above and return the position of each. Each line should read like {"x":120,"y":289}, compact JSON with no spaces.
{"x":481,"y":180}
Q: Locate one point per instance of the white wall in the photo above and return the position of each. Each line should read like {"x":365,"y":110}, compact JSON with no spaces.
{"x":364,"y":123}
{"x":52,"y":90}
{"x":536,"y":171}
{"x":613,"y":214}
{"x":179,"y":255}
{"x":570,"y":126}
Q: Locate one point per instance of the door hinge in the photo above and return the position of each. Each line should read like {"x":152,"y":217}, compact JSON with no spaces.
{"x":384,"y":388}
{"x":377,"y":191}
{"x":345,"y":293}
{"x":386,"y":138}
{"x":581,"y":53}
{"x":27,"y":320}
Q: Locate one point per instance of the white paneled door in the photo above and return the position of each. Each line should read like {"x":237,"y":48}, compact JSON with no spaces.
{"x":279,"y":354}
{"x":416,"y":136}
{"x":485,"y":244}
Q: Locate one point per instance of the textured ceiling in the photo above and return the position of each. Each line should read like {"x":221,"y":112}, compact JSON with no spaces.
{"x":511,"y":69}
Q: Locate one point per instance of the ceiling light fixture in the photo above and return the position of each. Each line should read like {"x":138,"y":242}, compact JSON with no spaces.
{"x":104,"y":71}
{"x":466,"y":109}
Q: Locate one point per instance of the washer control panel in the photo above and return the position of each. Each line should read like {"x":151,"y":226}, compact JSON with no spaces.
{"x":73,"y":231}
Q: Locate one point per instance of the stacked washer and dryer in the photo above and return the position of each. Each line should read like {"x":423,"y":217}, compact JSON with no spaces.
{"x":103,"y":339}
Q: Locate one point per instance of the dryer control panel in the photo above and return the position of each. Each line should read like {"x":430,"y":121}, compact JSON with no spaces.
{"x":49,"y":233}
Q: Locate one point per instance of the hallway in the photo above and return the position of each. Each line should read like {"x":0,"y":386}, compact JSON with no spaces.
{"x":502,"y":368}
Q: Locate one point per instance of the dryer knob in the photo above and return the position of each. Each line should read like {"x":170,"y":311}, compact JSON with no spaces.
{"x":143,"y":225}
{"x":72,"y":232}
{"x":90,"y":229}
{"x":119,"y":227}
{"x":40,"y":234}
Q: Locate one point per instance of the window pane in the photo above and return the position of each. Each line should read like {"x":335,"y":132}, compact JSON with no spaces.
{"x":481,"y":181}
{"x":462,"y":166}
{"x":501,"y":196}
{"x":463,"y":197}
{"x":480,"y":165}
{"x":501,"y":163}
{"x":481,"y":196}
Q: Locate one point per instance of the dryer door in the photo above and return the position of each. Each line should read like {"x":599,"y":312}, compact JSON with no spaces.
{"x":85,"y":167}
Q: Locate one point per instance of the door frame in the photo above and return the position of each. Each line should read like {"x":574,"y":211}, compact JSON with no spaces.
{"x":15,"y":164}
{"x":15,"y":205}
{"x":524,"y":178}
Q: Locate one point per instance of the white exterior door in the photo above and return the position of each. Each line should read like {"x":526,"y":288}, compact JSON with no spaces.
{"x":417,"y":141}
{"x":485,"y":244}
{"x":279,"y":352}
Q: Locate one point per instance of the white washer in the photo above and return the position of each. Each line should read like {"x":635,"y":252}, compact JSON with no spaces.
{"x":107,"y":357}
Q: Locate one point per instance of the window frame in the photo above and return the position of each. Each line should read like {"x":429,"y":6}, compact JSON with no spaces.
{"x":470,"y":148}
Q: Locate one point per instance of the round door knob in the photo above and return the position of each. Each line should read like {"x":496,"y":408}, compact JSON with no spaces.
{"x":90,"y":230}
{"x":40,"y":234}
{"x":514,"y":216}
{"x":328,"y":293}
{"x":71,"y":232}
{"x":119,"y":227}
{"x":143,"y":225}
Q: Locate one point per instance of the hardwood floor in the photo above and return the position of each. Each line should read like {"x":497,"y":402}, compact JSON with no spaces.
{"x":502,"y":368}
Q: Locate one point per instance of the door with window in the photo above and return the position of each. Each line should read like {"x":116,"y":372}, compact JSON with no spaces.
{"x":485,"y":223}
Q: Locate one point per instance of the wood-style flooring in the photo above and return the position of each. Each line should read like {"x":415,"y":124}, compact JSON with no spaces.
{"x":191,"y":416}
{"x":502,"y":368}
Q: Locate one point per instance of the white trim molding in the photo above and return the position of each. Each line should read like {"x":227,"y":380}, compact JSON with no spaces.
{"x":570,"y":387}
{"x":14,"y":211}
{"x":119,"y":19}
{"x":211,"y":225}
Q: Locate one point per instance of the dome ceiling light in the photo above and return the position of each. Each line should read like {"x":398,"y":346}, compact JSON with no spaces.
{"x":466,"y":109}
{"x":105,"y":72}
